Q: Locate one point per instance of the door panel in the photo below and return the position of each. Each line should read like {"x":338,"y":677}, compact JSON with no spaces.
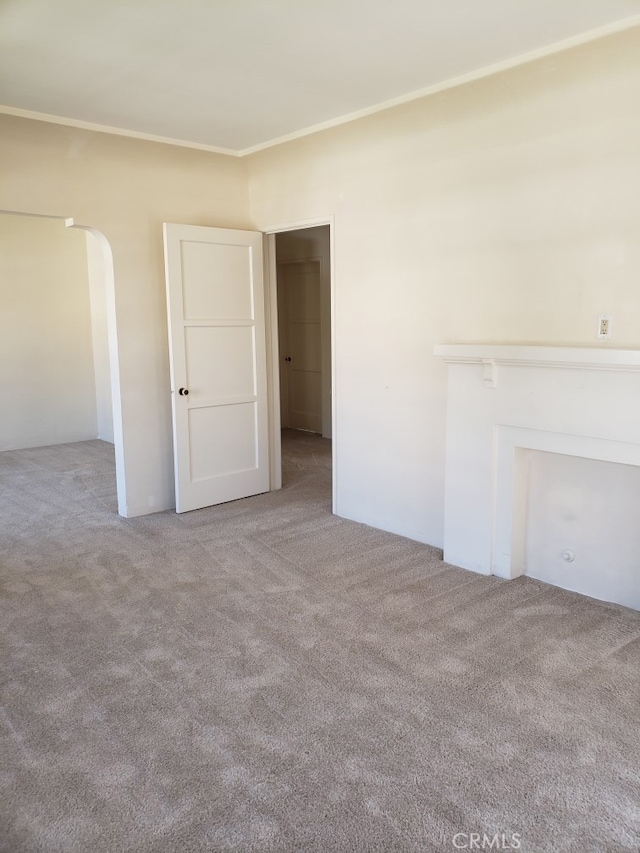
{"x":305,"y":347}
{"x":220,"y":361}
{"x":304,"y":298}
{"x":305,"y":388}
{"x":208,"y":268}
{"x":234,"y":454}
{"x":302,"y":318}
{"x":217,"y":352}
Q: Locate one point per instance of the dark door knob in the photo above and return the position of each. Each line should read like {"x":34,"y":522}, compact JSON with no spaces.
{"x":184,"y":392}
{"x":288,"y":358}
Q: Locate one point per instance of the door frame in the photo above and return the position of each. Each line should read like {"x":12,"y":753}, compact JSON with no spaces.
{"x":284,"y":386}
{"x":273,"y":354}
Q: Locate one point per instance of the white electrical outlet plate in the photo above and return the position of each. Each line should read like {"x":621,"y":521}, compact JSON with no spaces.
{"x":604,"y":326}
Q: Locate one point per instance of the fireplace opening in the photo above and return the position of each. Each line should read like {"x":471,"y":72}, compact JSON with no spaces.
{"x":579,"y":522}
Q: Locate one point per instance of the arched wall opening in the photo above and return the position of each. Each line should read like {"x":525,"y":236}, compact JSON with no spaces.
{"x":58,"y":341}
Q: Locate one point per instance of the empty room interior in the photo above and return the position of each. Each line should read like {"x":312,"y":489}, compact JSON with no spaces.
{"x":320,"y":427}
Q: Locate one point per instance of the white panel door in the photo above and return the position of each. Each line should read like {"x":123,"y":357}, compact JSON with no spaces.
{"x":215,"y":300}
{"x":300,"y":289}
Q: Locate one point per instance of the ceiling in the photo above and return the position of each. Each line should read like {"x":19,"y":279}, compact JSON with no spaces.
{"x":237,"y":75}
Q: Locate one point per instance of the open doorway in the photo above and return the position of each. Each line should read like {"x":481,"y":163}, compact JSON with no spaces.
{"x":227,"y":422}
{"x":54,"y":351}
{"x":303,"y":277}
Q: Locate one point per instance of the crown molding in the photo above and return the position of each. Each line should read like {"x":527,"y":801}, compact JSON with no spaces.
{"x":450,"y":83}
{"x":454,"y":82}
{"x":115,"y":131}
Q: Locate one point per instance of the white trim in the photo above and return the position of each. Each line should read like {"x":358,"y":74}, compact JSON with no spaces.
{"x":603,"y":358}
{"x":441,"y":86}
{"x":299,"y":225}
{"x":273,"y":360}
{"x":271,"y":288}
{"x":454,"y":82}
{"x":115,"y":131}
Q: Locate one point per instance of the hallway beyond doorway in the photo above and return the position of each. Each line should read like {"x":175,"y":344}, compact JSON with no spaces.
{"x":306,"y":453}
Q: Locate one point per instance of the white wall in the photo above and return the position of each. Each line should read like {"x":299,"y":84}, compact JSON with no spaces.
{"x":504,"y":210}
{"x":47,"y":384}
{"x":99,"y":328}
{"x":302,"y":245}
{"x":126,"y":189}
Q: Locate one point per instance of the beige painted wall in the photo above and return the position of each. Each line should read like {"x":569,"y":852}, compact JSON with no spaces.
{"x":47,"y":382}
{"x":302,"y":245}
{"x":126,"y":188}
{"x":504,"y":210}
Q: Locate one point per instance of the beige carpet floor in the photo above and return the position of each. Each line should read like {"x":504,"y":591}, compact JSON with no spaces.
{"x":264,"y":676}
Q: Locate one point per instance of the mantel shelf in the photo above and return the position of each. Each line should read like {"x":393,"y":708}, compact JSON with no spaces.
{"x":593,"y":358}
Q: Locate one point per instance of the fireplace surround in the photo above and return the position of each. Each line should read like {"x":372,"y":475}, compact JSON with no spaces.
{"x":504,"y":400}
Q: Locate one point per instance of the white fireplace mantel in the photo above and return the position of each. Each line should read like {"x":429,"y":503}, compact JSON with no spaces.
{"x":493,"y":355}
{"x":557,"y":356}
{"x":504,"y":400}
